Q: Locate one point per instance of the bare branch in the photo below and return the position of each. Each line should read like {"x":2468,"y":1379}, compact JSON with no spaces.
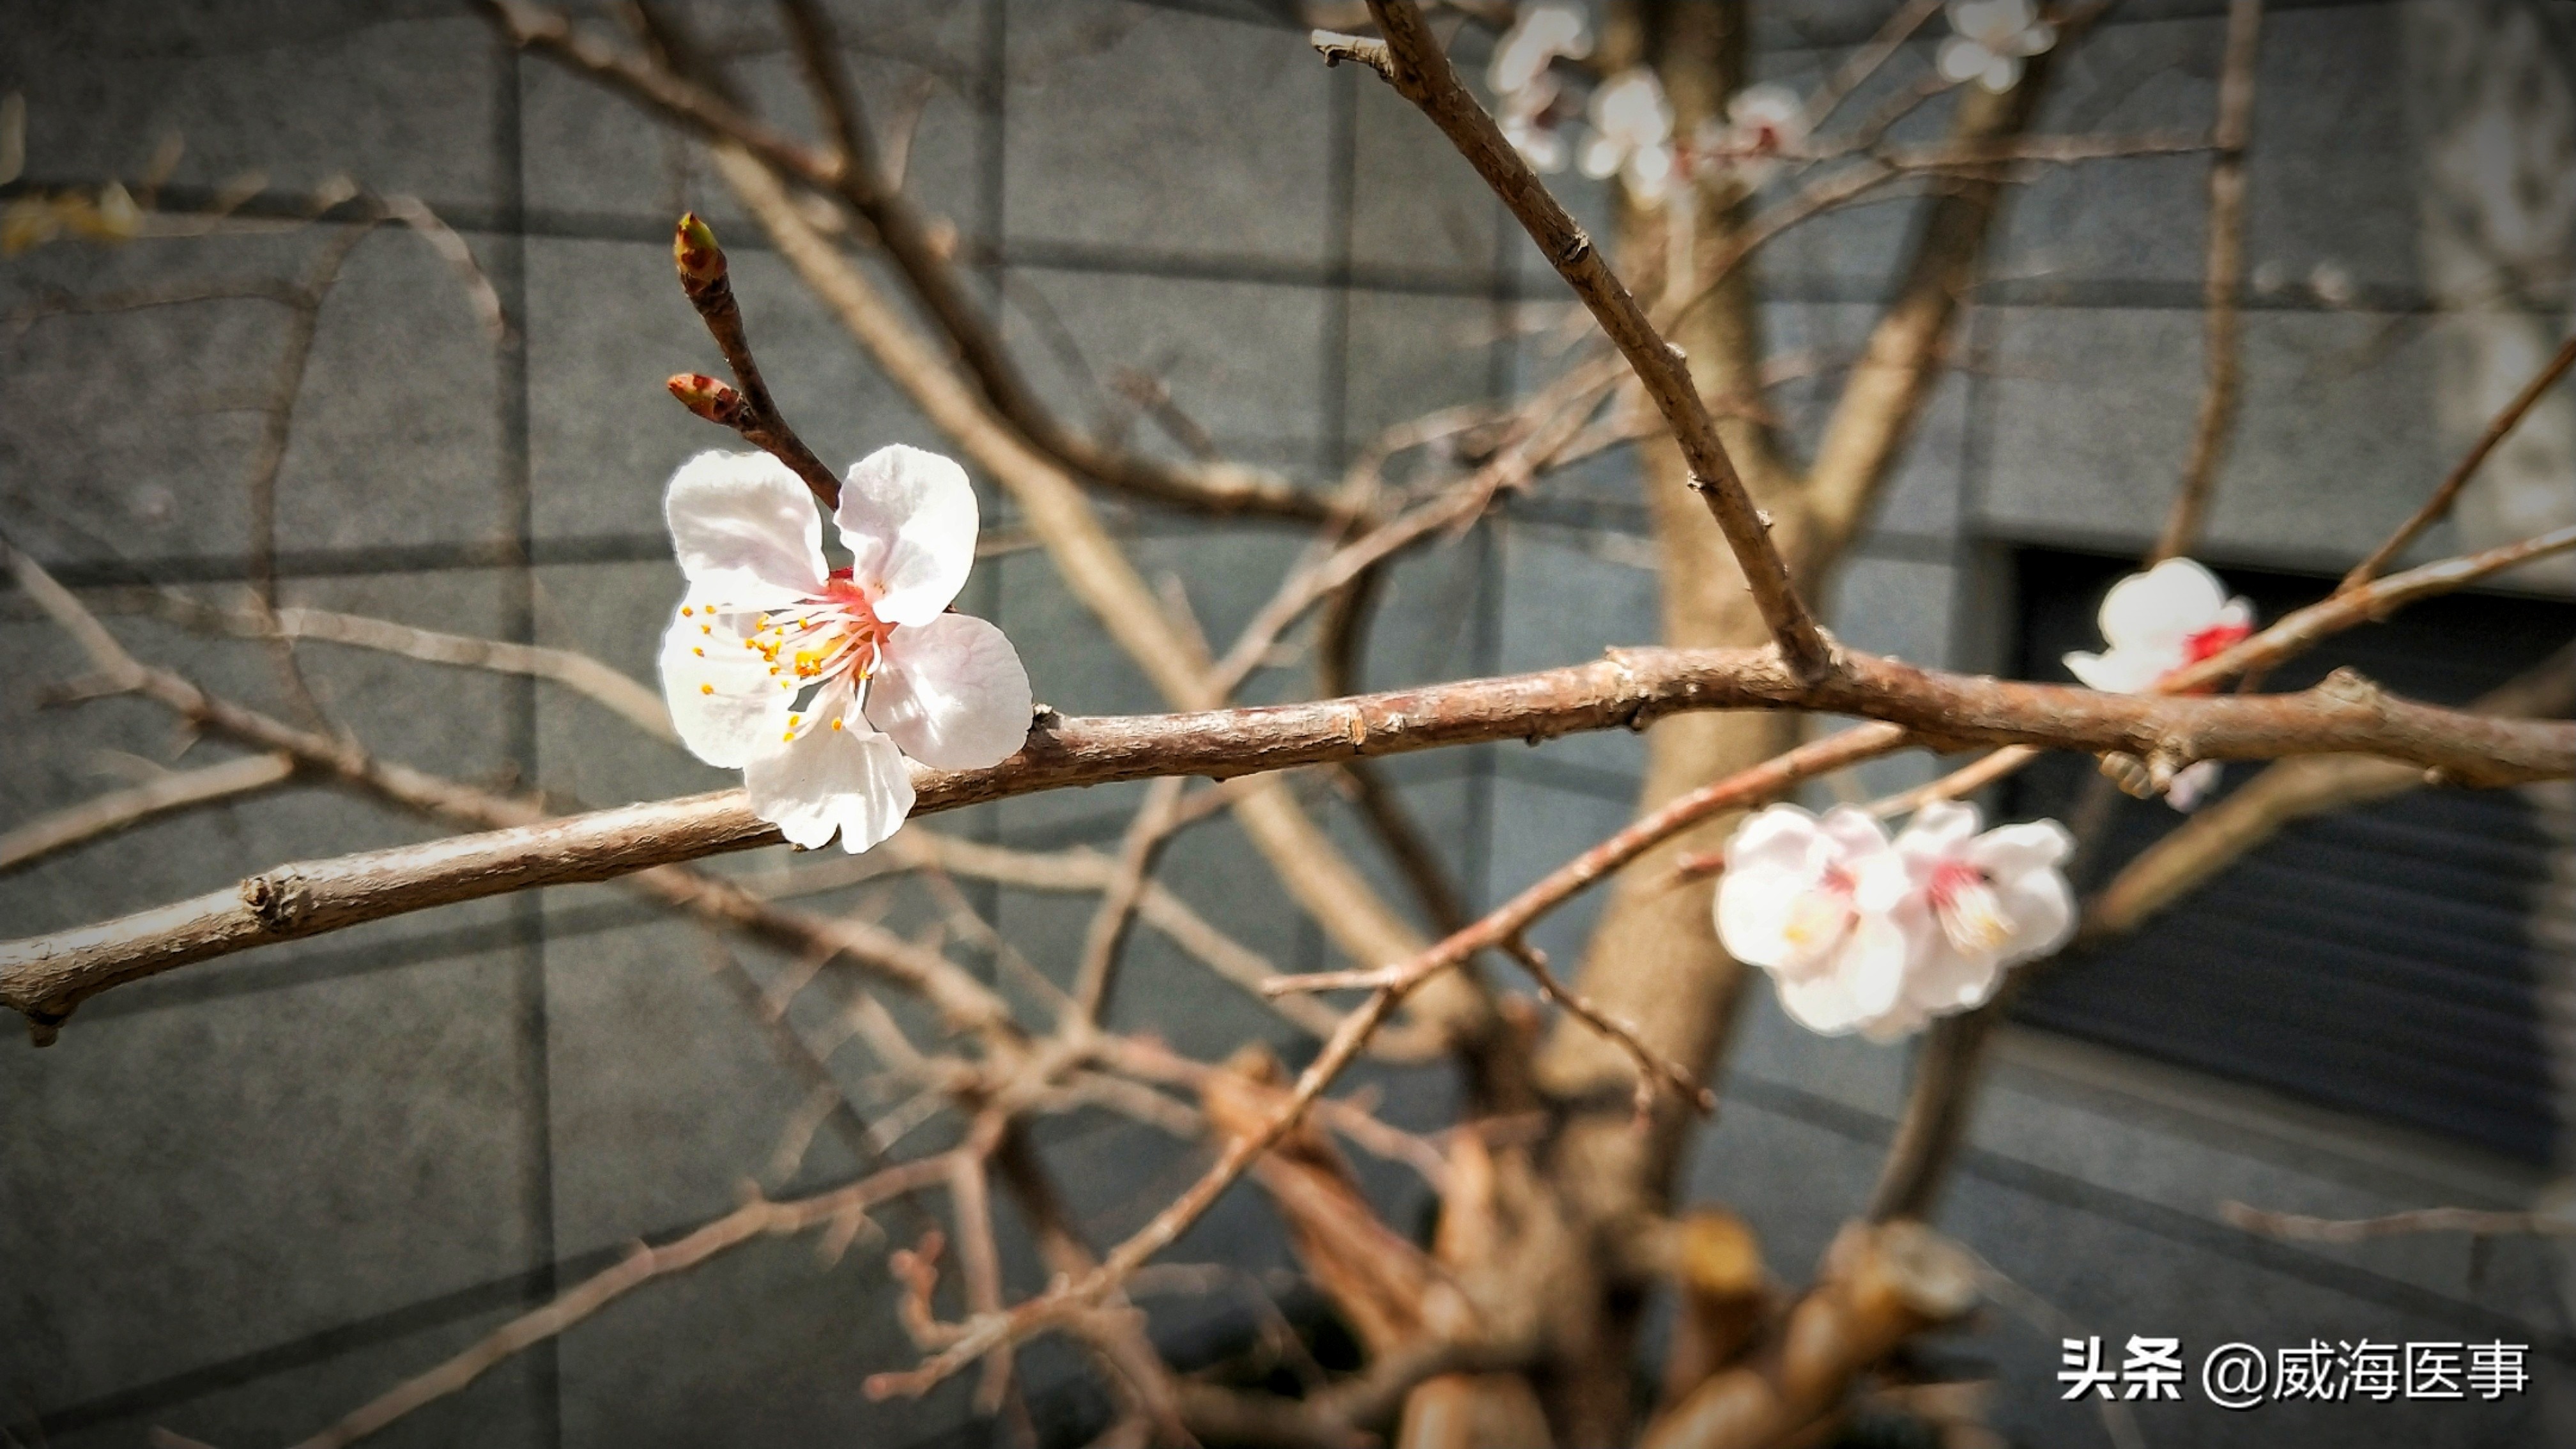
{"x":1420,"y":72}
{"x":2224,"y":278}
{"x":123,"y":809}
{"x":573,"y":670}
{"x":1881,"y":1284}
{"x":2297,"y":1227}
{"x":755,"y":1219}
{"x":1106,"y":936}
{"x":750,"y":411}
{"x":2434,"y":507}
{"x":1629,"y":688}
{"x":852,"y":179}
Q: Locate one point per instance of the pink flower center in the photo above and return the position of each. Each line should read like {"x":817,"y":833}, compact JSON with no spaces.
{"x":2214,"y":640}
{"x":822,"y":639}
{"x":1964,"y":902}
{"x":1819,"y":916}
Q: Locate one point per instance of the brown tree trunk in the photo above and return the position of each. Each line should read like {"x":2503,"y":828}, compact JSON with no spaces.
{"x":1654,"y":961}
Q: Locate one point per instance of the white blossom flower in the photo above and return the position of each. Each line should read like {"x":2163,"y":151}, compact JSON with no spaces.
{"x":2174,"y":614}
{"x":1762,"y":122}
{"x":1990,"y":39}
{"x":1861,"y":933}
{"x":815,"y":682}
{"x":1632,"y":135}
{"x":1823,"y":905}
{"x":1525,"y":89}
{"x":1995,"y":900}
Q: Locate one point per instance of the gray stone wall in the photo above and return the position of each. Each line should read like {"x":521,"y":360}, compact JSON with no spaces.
{"x":241,"y":1199}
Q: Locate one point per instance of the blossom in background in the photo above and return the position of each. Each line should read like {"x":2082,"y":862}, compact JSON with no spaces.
{"x":1819,"y":902}
{"x":1995,"y":900}
{"x":1878,"y":936}
{"x":2173,"y":615}
{"x":1762,"y":122}
{"x":1525,"y":88}
{"x":1990,"y":39}
{"x":1632,"y":135}
{"x":816,"y":682}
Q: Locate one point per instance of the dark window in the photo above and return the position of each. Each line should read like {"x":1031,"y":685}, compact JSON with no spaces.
{"x":2392,"y":959}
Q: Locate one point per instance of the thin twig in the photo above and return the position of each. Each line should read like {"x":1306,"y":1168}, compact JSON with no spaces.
{"x":105,"y":815}
{"x":1106,"y":936}
{"x":2298,"y":1227}
{"x":746,"y":407}
{"x":573,"y":670}
{"x":755,"y":1219}
{"x":2224,"y":278}
{"x":1420,"y":71}
{"x":2434,"y":507}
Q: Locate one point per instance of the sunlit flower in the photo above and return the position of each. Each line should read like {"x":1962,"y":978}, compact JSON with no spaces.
{"x":1863,"y":934}
{"x":2173,"y":615}
{"x":2155,"y":623}
{"x":1525,"y":88}
{"x":1822,"y":903}
{"x":1632,"y":135}
{"x":1990,"y":39}
{"x":1762,"y":122}
{"x":1994,"y":900}
{"x":815,"y":682}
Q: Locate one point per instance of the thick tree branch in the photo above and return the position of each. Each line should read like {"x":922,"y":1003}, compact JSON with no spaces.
{"x":1629,"y":688}
{"x":1882,"y":1284}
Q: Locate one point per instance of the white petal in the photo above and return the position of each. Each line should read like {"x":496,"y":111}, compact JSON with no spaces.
{"x":908,"y":520}
{"x":1778,"y":837}
{"x":952,"y":693}
{"x":1821,"y":1003}
{"x":850,"y":781}
{"x":2163,"y":606}
{"x":1880,"y":881}
{"x":2013,"y":850}
{"x":724,"y":701}
{"x":2123,"y":671}
{"x":2042,"y":907}
{"x":1874,"y":963}
{"x":2192,"y":784}
{"x":1601,"y":157}
{"x":2034,"y":38}
{"x":1755,"y":912}
{"x":746,"y":531}
{"x":2001,"y":74}
{"x":1895,"y":1024}
{"x":1945,"y":980}
{"x":1961,"y":59}
{"x":1938,"y":830}
{"x":1854,"y":830}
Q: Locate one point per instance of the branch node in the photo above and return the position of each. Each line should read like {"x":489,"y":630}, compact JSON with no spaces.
{"x":278,"y":898}
{"x":1336,"y":47}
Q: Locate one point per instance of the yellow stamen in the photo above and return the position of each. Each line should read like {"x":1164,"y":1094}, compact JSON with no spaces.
{"x":687,"y":613}
{"x":706,"y":689}
{"x":836,"y":724}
